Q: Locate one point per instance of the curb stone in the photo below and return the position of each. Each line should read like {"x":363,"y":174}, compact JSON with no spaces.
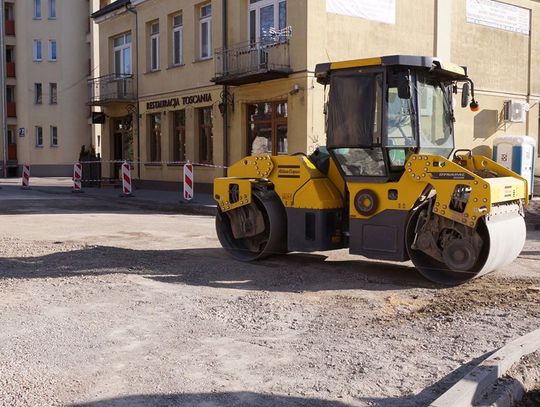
{"x":473,"y":386}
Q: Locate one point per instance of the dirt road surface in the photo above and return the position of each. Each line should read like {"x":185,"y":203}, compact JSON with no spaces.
{"x":106,"y":305}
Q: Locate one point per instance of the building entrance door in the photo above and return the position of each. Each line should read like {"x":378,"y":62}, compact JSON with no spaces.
{"x":122,"y":143}
{"x":12,"y":146}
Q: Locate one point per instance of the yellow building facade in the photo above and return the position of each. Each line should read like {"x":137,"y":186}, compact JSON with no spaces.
{"x":47,"y":48}
{"x":210,"y":82}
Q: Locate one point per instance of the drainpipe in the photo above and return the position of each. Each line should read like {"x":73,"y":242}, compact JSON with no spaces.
{"x":225,"y":37}
{"x":132,"y":9}
{"x":3,"y":86}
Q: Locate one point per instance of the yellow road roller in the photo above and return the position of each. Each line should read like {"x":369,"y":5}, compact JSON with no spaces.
{"x":389,"y":184}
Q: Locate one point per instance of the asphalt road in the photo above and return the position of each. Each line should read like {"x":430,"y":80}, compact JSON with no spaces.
{"x":108,"y":304}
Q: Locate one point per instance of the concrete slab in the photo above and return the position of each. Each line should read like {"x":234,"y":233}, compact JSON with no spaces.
{"x":474,"y":385}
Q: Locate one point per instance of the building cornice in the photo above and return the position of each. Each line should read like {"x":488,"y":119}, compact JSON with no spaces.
{"x":112,"y":10}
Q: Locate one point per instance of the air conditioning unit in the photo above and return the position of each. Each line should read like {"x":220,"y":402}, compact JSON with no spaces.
{"x":515,"y":111}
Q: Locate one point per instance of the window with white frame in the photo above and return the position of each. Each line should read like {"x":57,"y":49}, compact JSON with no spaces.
{"x":52,"y":50}
{"x":37,"y":9}
{"x":265,"y":15}
{"x":205,"y":31}
{"x":53,"y":93}
{"x":122,"y":54}
{"x":177,"y":40}
{"x":154,"y":46}
{"x":39,"y":136}
{"x":37,"y":50}
{"x":54,"y":136}
{"x":52,"y":9}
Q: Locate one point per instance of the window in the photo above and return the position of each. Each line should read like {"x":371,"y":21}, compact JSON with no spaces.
{"x":177,"y":40}
{"x":10,"y":55}
{"x":53,"y":93}
{"x":155,"y":137}
{"x":351,"y":121}
{"x":206,"y":148}
{"x":179,"y":136}
{"x":52,"y":9}
{"x":37,"y":93}
{"x":361,"y":162}
{"x":122,"y":54}
{"x":267,"y":128}
{"x":435,"y":117}
{"x":37,"y":50}
{"x":54,"y":136}
{"x":154,"y":46}
{"x":10,"y":94}
{"x":205,"y":31}
{"x":265,"y":15}
{"x":39,"y":136}
{"x":9,"y":13}
{"x":52,"y":50}
{"x":37,"y":9}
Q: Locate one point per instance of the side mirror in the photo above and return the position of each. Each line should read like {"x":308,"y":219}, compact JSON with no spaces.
{"x":404,"y":88}
{"x":465,"y":90}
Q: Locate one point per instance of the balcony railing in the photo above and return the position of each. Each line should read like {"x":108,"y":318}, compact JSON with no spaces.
{"x":10,"y":69}
{"x":113,"y":88}
{"x":253,"y":62}
{"x":11,"y":109}
{"x":10,"y":27}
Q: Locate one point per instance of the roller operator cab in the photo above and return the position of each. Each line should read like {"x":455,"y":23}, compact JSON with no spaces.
{"x":390,"y":184}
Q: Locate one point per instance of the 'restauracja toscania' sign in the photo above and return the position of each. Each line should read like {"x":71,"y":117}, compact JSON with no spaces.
{"x":179,"y":101}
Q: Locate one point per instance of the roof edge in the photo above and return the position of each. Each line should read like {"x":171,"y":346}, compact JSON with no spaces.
{"x":118,"y":4}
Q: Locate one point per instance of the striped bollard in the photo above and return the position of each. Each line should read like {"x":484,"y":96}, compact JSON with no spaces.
{"x":188,"y":181}
{"x":26,"y":177}
{"x":126,"y":180}
{"x":77,"y":178}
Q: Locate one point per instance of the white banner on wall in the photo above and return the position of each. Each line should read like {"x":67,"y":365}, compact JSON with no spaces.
{"x":375,"y":10}
{"x":499,"y":15}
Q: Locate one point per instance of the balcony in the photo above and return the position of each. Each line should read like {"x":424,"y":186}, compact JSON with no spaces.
{"x":10,"y":27}
{"x":10,"y":69}
{"x":113,"y":88}
{"x":11,"y":109}
{"x":250,"y":62}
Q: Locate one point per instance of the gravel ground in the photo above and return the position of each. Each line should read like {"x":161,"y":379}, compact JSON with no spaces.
{"x":140,"y":309}
{"x":528,"y":372}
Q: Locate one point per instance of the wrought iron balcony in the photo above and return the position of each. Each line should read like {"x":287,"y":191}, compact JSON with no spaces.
{"x":113,"y":88}
{"x":252,"y":62}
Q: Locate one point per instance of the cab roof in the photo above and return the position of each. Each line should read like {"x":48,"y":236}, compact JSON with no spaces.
{"x":453,"y":71}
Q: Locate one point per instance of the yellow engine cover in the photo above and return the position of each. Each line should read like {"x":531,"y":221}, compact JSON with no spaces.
{"x":294,"y":178}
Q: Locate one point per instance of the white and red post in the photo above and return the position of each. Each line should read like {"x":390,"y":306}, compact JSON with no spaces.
{"x":25,"y":177}
{"x":188,"y":181}
{"x":77,"y":178}
{"x":127,"y":187}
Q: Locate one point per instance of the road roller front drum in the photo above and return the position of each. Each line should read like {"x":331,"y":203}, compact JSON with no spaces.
{"x":256,"y":230}
{"x":450,"y":253}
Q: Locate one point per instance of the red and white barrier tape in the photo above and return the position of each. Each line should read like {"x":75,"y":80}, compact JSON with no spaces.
{"x":177,"y":163}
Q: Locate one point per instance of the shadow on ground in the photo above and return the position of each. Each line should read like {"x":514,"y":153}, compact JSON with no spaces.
{"x":45,"y":200}
{"x":430,"y":393}
{"x":240,"y":399}
{"x":212,"y":267}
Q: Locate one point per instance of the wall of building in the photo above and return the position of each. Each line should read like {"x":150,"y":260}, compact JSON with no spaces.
{"x":440,"y":28}
{"x":502,"y":63}
{"x":69,"y":72}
